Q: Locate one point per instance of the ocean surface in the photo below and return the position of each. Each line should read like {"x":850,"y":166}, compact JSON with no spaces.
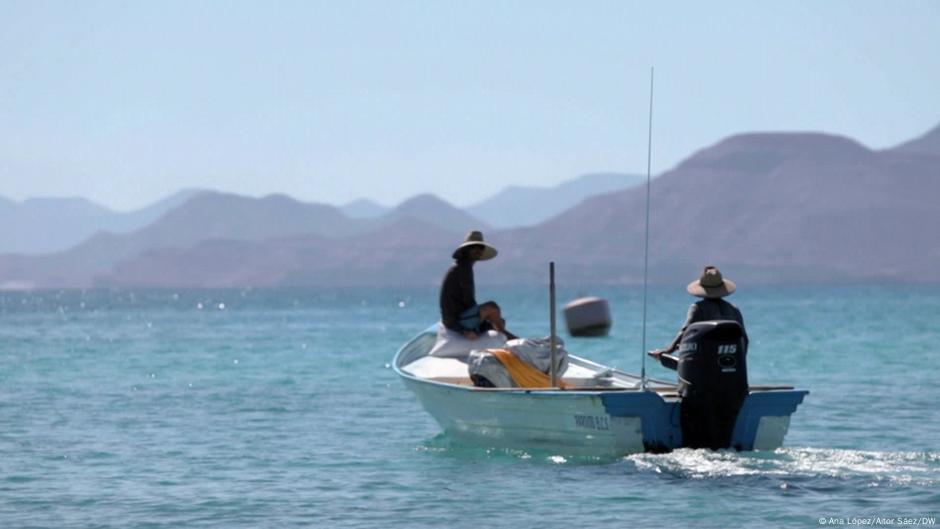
{"x":278,"y":408}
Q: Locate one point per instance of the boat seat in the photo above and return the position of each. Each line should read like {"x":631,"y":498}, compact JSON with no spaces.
{"x":435,"y":367}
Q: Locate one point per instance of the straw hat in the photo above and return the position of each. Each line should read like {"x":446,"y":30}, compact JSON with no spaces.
{"x":711,"y":284}
{"x":475,"y":238}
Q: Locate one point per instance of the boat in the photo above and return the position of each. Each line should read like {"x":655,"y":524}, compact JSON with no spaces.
{"x":600,"y":411}
{"x":596,"y":410}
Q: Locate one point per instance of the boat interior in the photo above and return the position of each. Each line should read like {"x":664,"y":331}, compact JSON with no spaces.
{"x":581,"y":375}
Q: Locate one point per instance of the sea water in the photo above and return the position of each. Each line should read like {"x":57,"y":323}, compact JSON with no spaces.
{"x":278,"y":408}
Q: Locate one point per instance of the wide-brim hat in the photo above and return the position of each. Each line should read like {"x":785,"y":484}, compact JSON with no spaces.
{"x":711,"y":284}
{"x":475,"y":238}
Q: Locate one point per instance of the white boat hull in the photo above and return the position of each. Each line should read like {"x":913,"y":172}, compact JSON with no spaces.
{"x":618,"y":420}
{"x":547,"y":420}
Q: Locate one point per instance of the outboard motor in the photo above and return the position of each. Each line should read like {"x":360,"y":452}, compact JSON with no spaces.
{"x":712,"y":382}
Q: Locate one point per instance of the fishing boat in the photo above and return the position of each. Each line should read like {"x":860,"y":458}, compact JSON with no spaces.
{"x":599,"y":411}
{"x":592,"y":409}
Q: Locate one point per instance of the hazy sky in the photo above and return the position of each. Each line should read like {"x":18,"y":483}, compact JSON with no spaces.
{"x":125,"y":102}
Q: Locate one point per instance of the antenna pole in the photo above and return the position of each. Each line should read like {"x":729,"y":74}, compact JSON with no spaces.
{"x":551,"y":304}
{"x":646,"y":248}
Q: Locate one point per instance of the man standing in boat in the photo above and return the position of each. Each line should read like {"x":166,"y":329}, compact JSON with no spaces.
{"x":712,"y":287}
{"x":461,"y":315}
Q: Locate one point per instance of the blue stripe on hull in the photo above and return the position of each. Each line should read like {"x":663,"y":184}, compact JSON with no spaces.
{"x":763,"y":404}
{"x":661,"y":431}
{"x":661,"y":427}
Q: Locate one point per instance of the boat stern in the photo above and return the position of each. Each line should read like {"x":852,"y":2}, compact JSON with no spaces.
{"x":764,"y":419}
{"x":762,"y":422}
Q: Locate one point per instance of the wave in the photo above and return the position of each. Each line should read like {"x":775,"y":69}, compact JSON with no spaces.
{"x":794,"y":465}
{"x":900,"y":468}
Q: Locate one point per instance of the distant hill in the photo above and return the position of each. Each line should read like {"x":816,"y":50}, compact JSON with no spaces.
{"x":206,"y":216}
{"x":518,"y":206}
{"x":45,"y":225}
{"x":436,"y":212}
{"x":406,"y":251}
{"x":928,"y":144}
{"x":776,"y":208}
{"x":399,"y":247}
{"x":214,"y":225}
{"x":40,"y":225}
{"x":364,"y":209}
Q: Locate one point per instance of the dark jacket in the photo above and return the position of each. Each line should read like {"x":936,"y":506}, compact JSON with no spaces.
{"x":457,"y":293}
{"x":707,"y":309}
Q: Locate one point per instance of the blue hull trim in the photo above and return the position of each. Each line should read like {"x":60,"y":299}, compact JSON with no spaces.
{"x":661,"y":428}
{"x":660,"y":419}
{"x":763,"y":404}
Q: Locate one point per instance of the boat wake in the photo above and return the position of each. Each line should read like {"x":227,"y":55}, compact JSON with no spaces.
{"x":791,"y":466}
{"x":455,"y":448}
{"x":921,"y":469}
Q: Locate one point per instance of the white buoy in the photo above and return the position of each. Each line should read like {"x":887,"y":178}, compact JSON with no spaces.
{"x":588,"y":316}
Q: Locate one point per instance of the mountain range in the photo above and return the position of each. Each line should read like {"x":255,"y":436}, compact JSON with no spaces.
{"x":44,"y":225}
{"x":48,"y":225}
{"x":784,"y":208}
{"x":519,"y":206}
{"x":781,"y":208}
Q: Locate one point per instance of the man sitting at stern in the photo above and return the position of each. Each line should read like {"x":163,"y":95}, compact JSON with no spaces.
{"x":461,"y":316}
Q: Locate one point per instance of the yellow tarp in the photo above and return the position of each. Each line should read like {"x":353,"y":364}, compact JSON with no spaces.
{"x":522,"y":373}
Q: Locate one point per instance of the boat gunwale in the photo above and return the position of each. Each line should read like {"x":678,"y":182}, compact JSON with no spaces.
{"x":587,"y":391}
{"x":396,"y":365}
{"x":592,"y":391}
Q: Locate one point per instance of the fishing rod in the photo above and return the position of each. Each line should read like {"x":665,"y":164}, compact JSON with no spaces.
{"x":646,"y":247}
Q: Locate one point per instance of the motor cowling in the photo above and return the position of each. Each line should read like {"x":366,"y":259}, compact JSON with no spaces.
{"x":712,"y":382}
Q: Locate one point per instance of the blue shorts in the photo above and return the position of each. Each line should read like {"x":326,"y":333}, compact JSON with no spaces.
{"x":469,"y":320}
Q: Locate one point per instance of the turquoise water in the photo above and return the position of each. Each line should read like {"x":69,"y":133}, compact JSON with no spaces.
{"x":267,"y":408}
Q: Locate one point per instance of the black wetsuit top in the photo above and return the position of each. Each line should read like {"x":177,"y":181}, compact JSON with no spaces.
{"x":706,"y":310}
{"x":457,"y":293}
